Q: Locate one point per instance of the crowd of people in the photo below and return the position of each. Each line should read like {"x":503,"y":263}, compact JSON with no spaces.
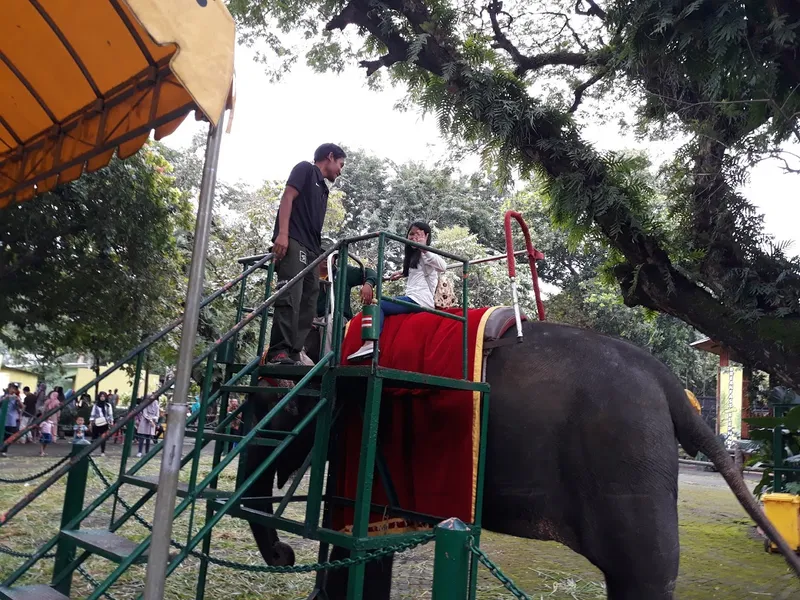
{"x":26,"y":407}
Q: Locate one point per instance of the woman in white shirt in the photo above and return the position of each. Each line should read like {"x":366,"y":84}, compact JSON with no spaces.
{"x":102,"y":418}
{"x":422,"y":268}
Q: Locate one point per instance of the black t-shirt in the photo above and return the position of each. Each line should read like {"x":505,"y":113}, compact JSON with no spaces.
{"x":309,"y":208}
{"x":30,"y":404}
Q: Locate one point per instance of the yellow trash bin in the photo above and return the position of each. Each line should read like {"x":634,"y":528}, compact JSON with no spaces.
{"x":783,"y":511}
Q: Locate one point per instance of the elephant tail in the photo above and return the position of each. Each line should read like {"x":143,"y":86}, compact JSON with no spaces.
{"x":695,"y":435}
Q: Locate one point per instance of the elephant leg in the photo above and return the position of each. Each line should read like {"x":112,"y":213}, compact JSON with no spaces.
{"x":636,"y":546}
{"x":377,"y":580}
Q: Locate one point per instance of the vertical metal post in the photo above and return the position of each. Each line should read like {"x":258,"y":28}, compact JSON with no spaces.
{"x":202,"y":573}
{"x":338,"y":316}
{"x":777,"y":454}
{"x":73,"y":504}
{"x":4,"y":404}
{"x":262,"y":332}
{"x":381,"y":253}
{"x":366,"y":474}
{"x":228,"y":352}
{"x":319,"y":454}
{"x":478,"y":517}
{"x":465,"y":324}
{"x":330,"y":309}
{"x":129,"y":429}
{"x":176,"y":414}
{"x":198,"y":440}
{"x":451,"y":560}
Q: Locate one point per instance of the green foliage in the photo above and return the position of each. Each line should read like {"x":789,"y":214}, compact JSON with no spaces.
{"x":507,"y":79}
{"x":94,"y":264}
{"x":762,"y":430}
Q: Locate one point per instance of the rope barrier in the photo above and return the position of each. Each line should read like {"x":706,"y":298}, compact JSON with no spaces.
{"x":52,"y":467}
{"x":15,"y":554}
{"x":87,"y":576}
{"x":495,"y":570}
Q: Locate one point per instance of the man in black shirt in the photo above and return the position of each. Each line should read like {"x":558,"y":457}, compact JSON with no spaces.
{"x":297,"y":241}
{"x":28,"y":412}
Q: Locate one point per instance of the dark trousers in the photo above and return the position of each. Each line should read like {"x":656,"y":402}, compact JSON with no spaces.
{"x":9,"y":431}
{"x":296,"y":309}
{"x":97,"y":432}
{"x":144,"y":440}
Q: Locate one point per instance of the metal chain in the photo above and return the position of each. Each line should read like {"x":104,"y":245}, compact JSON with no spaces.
{"x":495,"y":570}
{"x":94,"y":582}
{"x":325,"y":566}
{"x":37,"y":475}
{"x":14,"y":553}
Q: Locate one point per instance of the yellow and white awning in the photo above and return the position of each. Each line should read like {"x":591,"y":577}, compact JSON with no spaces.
{"x":82,"y":79}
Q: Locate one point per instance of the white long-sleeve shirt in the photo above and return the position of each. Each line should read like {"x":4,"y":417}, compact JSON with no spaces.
{"x":422,"y":280}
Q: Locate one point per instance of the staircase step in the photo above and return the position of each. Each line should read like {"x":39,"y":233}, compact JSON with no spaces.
{"x":104,"y":543}
{"x":293,"y":372}
{"x":250,"y":389}
{"x":150,"y":482}
{"x":31,"y":592}
{"x":226,"y":437}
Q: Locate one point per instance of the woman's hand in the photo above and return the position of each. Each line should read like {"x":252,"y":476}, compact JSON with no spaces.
{"x":395,"y":276}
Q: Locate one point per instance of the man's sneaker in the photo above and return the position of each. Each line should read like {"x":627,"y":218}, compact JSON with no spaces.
{"x":102,"y":455}
{"x":139,"y":455}
{"x":281,"y":358}
{"x":364,"y":352}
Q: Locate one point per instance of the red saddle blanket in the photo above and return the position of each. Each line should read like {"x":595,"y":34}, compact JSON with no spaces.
{"x":429,"y":439}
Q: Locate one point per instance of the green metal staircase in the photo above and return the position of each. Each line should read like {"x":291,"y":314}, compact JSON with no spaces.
{"x":74,"y":545}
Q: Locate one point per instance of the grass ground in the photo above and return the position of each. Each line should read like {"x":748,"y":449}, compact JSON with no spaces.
{"x":721,"y":557}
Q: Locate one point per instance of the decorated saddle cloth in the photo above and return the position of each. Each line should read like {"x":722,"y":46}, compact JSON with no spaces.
{"x":428,"y":440}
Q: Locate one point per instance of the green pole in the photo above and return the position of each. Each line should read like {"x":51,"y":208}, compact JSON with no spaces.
{"x":381,"y":256}
{"x":73,"y":504}
{"x":130,"y":430}
{"x":198,"y":442}
{"x":262,"y":330}
{"x":228,"y":354}
{"x":451,"y":560}
{"x":3,"y":416}
{"x":465,"y":324}
{"x":777,"y":454}
{"x":340,"y":287}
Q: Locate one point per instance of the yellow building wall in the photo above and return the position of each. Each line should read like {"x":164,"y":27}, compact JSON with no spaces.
{"x":7,"y":375}
{"x":118,"y":380}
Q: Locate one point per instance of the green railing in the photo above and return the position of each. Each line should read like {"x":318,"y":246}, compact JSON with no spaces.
{"x":363,"y":548}
{"x":780,"y":469}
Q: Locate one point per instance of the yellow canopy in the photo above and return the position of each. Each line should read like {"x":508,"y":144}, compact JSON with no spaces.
{"x":81,"y":79}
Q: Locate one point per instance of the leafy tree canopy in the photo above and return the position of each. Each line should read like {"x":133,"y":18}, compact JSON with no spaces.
{"x":510,"y":78}
{"x":94,"y":264}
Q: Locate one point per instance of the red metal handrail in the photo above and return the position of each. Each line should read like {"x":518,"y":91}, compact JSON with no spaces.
{"x":533,"y":256}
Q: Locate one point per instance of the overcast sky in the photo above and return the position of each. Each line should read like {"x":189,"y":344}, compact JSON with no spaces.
{"x":277,"y":125}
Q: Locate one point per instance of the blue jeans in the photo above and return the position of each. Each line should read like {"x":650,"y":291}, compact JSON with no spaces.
{"x":389,"y":308}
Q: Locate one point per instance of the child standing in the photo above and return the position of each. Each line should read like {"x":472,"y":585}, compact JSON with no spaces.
{"x":78,"y":430}
{"x":45,"y":434}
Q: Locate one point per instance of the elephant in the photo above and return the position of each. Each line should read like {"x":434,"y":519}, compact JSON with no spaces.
{"x":593,"y":425}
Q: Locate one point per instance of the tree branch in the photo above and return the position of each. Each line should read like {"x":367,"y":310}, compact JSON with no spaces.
{"x":579,"y":91}
{"x":531,"y":63}
{"x":592,"y":11}
{"x":545,"y":138}
{"x":362,"y":14}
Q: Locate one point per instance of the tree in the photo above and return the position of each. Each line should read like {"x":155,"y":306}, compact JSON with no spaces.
{"x":95,"y":264}
{"x":510,"y":78}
